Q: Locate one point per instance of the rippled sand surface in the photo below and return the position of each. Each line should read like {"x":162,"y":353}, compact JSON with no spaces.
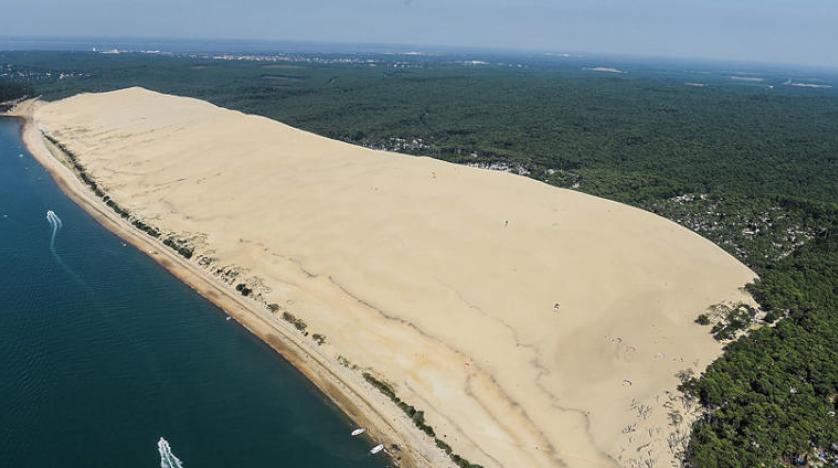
{"x":535,"y":326}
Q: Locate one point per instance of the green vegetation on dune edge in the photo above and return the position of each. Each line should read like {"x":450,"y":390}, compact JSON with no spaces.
{"x":772,"y":396}
{"x":753,"y":171}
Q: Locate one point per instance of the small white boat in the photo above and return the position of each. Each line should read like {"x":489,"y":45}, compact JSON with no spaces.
{"x":358,"y":431}
{"x":228,"y":318}
{"x":377,"y":449}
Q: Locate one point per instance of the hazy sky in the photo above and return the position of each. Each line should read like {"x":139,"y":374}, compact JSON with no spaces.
{"x":788,"y":31}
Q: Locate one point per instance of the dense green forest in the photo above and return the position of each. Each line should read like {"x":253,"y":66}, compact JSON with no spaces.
{"x":750,"y":165}
{"x":772,"y":396}
{"x":12,"y":91}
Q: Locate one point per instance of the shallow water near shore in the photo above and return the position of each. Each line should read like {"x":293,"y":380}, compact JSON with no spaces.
{"x":102,"y":352}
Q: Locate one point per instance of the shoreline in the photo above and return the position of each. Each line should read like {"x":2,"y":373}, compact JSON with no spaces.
{"x":364,"y":407}
{"x":368,"y":271}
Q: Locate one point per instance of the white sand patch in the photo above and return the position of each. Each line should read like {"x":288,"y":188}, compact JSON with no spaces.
{"x":806,"y":85}
{"x":754,"y":79}
{"x":604,"y":70}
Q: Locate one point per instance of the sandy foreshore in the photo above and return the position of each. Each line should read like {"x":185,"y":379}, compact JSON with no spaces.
{"x":382,"y":423}
{"x":533,"y":326}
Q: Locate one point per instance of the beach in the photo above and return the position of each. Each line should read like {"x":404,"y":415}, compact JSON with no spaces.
{"x":105,"y":353}
{"x":368,"y":409}
{"x":533,"y":326}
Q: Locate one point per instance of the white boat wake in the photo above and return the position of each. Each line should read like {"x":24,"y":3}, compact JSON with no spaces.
{"x":56,"y":224}
{"x":167,"y":458}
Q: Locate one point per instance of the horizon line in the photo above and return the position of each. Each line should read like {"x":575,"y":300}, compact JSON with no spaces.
{"x":412,"y":47}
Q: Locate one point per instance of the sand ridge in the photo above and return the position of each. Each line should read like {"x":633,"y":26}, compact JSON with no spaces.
{"x":535,"y":326}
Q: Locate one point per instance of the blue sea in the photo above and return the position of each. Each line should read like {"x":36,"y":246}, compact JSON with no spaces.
{"x":103,"y":352}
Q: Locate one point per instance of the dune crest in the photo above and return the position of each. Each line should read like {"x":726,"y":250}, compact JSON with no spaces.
{"x":534,"y":326}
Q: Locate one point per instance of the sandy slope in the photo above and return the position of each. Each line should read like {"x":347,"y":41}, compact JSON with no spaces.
{"x":534,"y":326}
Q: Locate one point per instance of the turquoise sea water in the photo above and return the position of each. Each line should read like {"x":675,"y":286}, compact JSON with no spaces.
{"x":102,"y":352}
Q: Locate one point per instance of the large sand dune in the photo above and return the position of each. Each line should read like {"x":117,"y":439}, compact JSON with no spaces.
{"x":534,"y":326}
